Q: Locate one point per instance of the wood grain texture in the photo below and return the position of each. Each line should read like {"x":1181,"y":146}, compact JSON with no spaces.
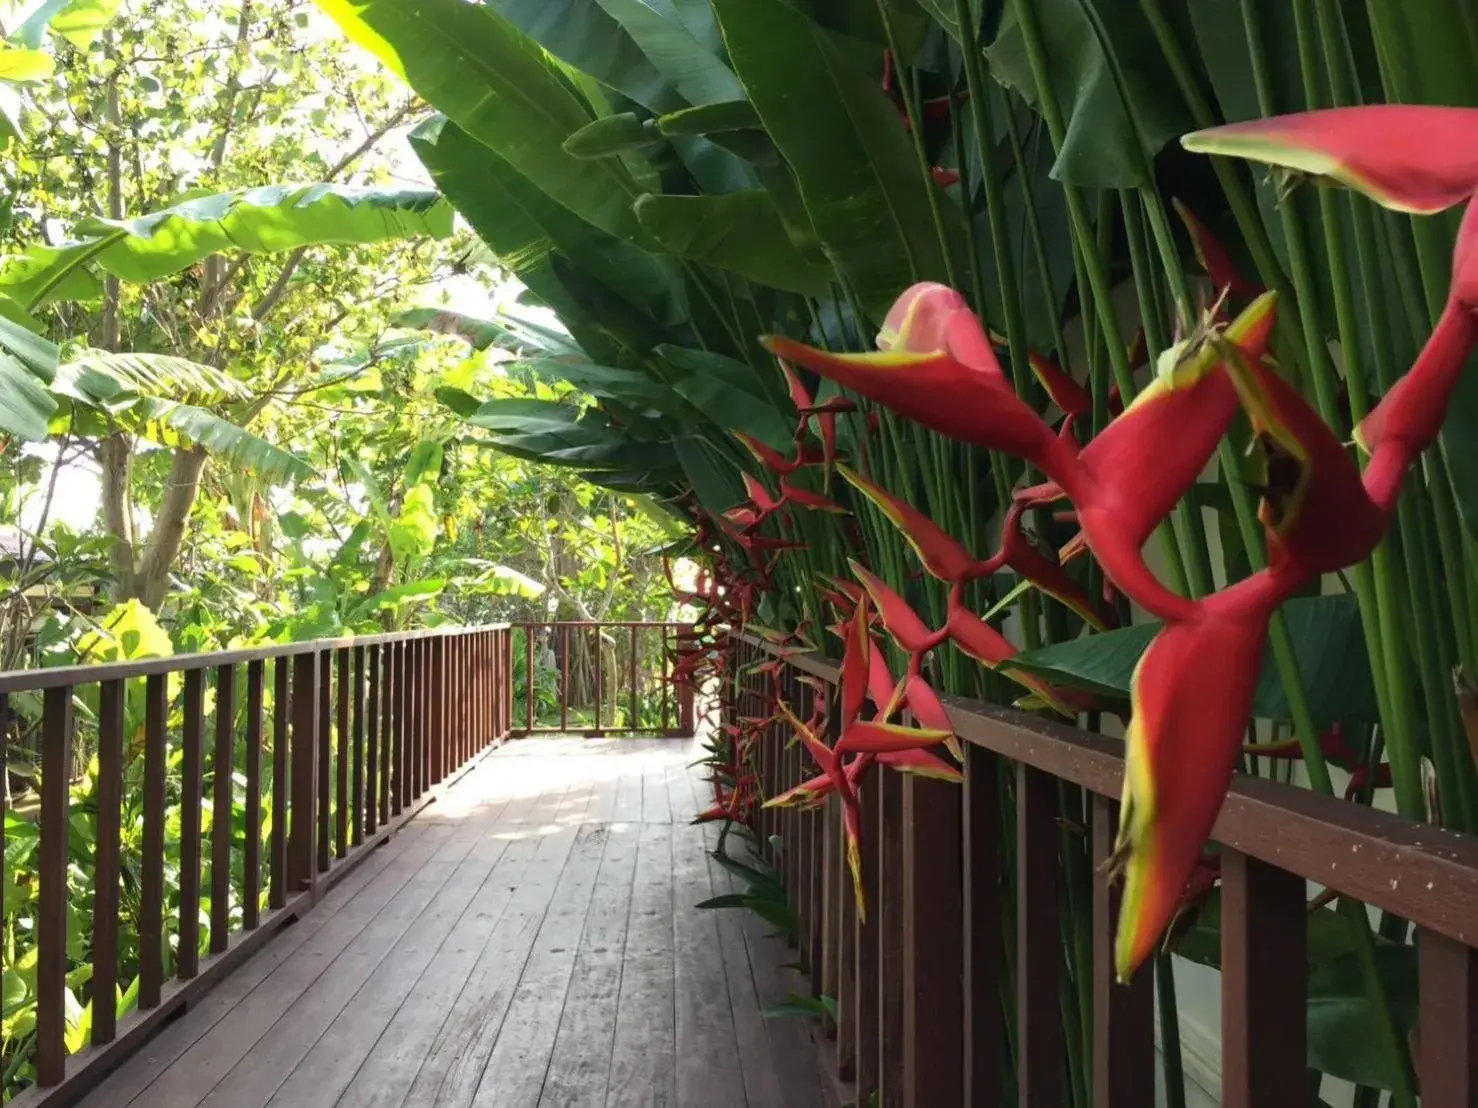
{"x":512,"y":945}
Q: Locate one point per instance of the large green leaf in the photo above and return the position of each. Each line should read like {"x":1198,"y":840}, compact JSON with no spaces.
{"x":77,"y":21}
{"x":855,"y":165}
{"x":25,"y":405}
{"x":523,"y":226}
{"x":258,"y":221}
{"x":628,"y":387}
{"x":1097,"y":151}
{"x":729,"y":393}
{"x":508,"y":332}
{"x":695,"y":71}
{"x":580,"y":33}
{"x":1327,"y":641}
{"x":496,"y":84}
{"x":104,"y":379}
{"x":741,"y":232}
{"x":561,"y":434}
{"x":1346,"y":1039}
{"x":229,"y":443}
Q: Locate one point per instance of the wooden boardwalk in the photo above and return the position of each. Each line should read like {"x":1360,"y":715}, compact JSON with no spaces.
{"x":530,"y":940}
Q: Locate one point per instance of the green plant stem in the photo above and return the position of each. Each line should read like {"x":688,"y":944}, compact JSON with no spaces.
{"x":1169,"y":1030}
{"x":911,"y":108}
{"x":995,"y":203}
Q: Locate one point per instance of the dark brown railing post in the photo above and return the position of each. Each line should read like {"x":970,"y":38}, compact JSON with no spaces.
{"x":105,"y":896}
{"x":528,"y":672}
{"x":277,"y":864}
{"x":374,"y":772}
{"x":1264,"y":939}
{"x":300,"y":847}
{"x":324,"y":840}
{"x":357,"y":790}
{"x":984,"y":941}
{"x":441,"y":759}
{"x":933,"y":913}
{"x":866,"y":948}
{"x":1449,"y":1021}
{"x":887,"y":901}
{"x":251,"y":865}
{"x":631,"y":722}
{"x":1038,"y":942}
{"x":187,"y":953}
{"x":223,"y":768}
{"x":1123,"y":1015}
{"x":51,"y":915}
{"x":151,"y":884}
{"x":599,"y":691}
{"x":395,"y":708}
{"x":343,"y":677}
{"x":564,"y":676}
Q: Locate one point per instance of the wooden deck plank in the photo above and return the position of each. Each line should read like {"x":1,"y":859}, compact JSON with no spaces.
{"x":387,"y":1075}
{"x":516,"y":1069}
{"x":643,"y":1056}
{"x":256,"y":1077}
{"x":346,"y":910}
{"x":709,"y":1071}
{"x":762,"y":1085}
{"x":580,"y":1064}
{"x":628,"y":795}
{"x":654,"y":804}
{"x":453,"y":1066}
{"x":331,"y":1063}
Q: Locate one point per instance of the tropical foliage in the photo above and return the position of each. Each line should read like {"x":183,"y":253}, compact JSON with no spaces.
{"x":1068,"y":304}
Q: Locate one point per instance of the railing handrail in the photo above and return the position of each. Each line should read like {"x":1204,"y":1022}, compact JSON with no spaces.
{"x":37,"y":680}
{"x":1420,"y":872}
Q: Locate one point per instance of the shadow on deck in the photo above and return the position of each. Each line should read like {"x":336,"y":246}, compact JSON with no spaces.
{"x":531,"y":938}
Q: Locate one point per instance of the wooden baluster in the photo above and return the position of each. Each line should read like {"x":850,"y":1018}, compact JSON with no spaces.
{"x":599,"y":691}
{"x":223,"y":769}
{"x":886,"y":899}
{"x":528,"y":672}
{"x":633,"y":722}
{"x":397,"y":713}
{"x":51,"y":907}
{"x":251,"y":865}
{"x":1264,"y":937}
{"x":441,"y":758}
{"x":341,"y":754}
{"x":1123,"y":1015}
{"x":192,"y":767}
{"x":356,"y":789}
{"x":151,"y":882}
{"x":844,"y":935}
{"x":984,"y":939}
{"x":300,"y":847}
{"x":933,"y":919}
{"x":374,"y":771}
{"x":105,"y":894}
{"x":866,"y":944}
{"x":666,"y":678}
{"x":1038,"y":941}
{"x":282,"y":714}
{"x":387,"y":731}
{"x":1449,"y":1021}
{"x":325,"y":688}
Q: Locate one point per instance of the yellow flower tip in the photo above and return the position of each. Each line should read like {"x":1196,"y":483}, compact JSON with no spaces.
{"x":854,"y":863}
{"x":952,"y":744}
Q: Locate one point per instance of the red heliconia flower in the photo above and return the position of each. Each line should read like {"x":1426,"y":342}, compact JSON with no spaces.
{"x":1066,"y":393}
{"x":909,"y":631}
{"x":940,"y":553}
{"x":1044,"y":571}
{"x":1214,"y":259}
{"x":943,"y":177}
{"x":1413,"y":158}
{"x":1191,"y":694}
{"x":935,"y":365}
{"x":1315,"y":509}
{"x":990,"y":648}
{"x":794,"y":494}
{"x":929,"y":110}
{"x":1130,"y":477}
{"x":1334,"y":748}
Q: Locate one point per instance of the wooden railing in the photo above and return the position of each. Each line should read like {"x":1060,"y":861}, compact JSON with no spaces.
{"x":338,"y":742}
{"x":629,"y":685}
{"x":920,"y":983}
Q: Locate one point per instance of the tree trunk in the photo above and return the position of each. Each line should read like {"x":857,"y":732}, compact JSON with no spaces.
{"x":116,"y":461}
{"x":169,"y":525}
